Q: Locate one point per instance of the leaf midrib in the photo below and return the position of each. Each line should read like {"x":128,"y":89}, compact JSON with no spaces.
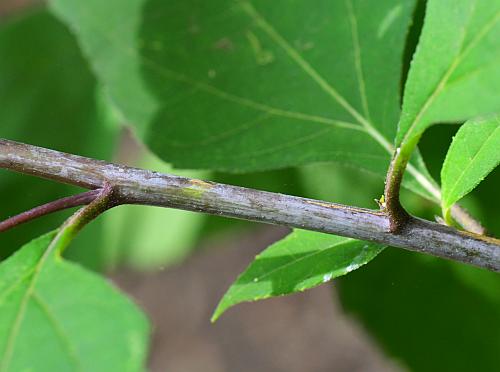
{"x":294,"y":261}
{"x":369,"y":127}
{"x":301,"y":62}
{"x":239,"y":289}
{"x":302,"y":258}
{"x":59,"y":330}
{"x":357,"y":58}
{"x":11,"y":338}
{"x":464,"y":51}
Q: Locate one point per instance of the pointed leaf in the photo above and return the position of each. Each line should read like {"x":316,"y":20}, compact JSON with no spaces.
{"x":455,"y":72}
{"x":473,"y":154}
{"x":301,"y":261}
{"x":57,"y":316}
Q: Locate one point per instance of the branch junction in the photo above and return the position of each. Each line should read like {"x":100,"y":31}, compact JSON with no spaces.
{"x":138,"y":186}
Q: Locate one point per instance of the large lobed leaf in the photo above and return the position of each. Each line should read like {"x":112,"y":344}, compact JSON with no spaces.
{"x":302,"y":260}
{"x":455,"y":72}
{"x":473,"y":154}
{"x":241,"y":85}
{"x":56,"y":316}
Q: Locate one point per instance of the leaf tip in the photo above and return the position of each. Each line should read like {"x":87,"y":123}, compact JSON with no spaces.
{"x":219,"y":310}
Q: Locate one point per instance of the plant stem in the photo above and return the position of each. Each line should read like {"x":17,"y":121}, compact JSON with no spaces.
{"x":397,"y":214}
{"x":54,"y":206}
{"x":398,"y":217}
{"x":137,"y":186}
{"x":103,"y":201}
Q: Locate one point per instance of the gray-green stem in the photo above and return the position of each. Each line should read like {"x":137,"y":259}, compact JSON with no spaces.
{"x":397,"y":214}
{"x":137,"y":186}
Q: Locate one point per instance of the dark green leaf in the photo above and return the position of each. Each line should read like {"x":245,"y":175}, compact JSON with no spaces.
{"x":425,"y":314}
{"x":240,"y":85}
{"x":47,"y":98}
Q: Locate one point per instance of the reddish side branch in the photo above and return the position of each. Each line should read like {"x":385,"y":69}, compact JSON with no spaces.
{"x":55,"y":206}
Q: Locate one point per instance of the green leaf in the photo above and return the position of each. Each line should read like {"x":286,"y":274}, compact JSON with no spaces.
{"x":238,"y":85}
{"x":47,"y":98}
{"x":56,"y":316}
{"x":425,"y":314}
{"x":473,"y":154}
{"x":301,"y":261}
{"x":455,"y":72}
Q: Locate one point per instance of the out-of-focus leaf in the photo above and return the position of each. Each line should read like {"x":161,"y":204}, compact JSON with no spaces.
{"x":301,"y":261}
{"x":340,"y":184}
{"x":455,"y":72}
{"x":473,"y":154}
{"x":487,"y":199}
{"x":238,"y":85}
{"x":425,"y":313}
{"x":47,"y":96}
{"x":56,"y":316}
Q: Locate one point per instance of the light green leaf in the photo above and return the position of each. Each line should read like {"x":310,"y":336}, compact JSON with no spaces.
{"x":239,"y":85}
{"x":473,"y":154}
{"x":455,"y":72}
{"x":301,"y":261}
{"x":56,"y":316}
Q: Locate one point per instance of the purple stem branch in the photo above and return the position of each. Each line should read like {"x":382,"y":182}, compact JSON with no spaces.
{"x":54,"y":206}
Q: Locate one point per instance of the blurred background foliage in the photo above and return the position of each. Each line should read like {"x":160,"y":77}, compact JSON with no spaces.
{"x":431,"y":314}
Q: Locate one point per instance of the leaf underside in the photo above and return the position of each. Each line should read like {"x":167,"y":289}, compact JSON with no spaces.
{"x":240,"y":86}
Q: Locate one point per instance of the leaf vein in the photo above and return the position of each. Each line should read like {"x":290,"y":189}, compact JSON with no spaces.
{"x":357,"y":58}
{"x":58,"y":328}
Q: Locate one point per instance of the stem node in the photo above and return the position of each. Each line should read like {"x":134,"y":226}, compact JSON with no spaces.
{"x":126,"y":185}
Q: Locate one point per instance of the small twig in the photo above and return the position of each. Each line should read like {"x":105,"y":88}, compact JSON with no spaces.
{"x":54,"y":206}
{"x":137,"y":186}
{"x":465,"y":220}
{"x":398,"y":216}
{"x":102,"y":201}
